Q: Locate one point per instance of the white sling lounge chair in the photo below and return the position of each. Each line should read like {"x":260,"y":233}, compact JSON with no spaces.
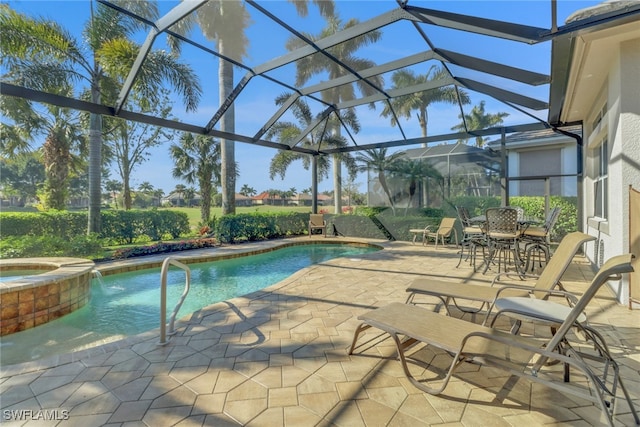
{"x":519,"y":355}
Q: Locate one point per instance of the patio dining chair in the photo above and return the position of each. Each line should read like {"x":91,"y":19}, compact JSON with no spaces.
{"x":528,"y":357}
{"x":503,"y":232}
{"x":473,"y":237}
{"x":537,"y":240}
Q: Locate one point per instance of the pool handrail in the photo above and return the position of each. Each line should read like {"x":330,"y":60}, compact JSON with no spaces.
{"x":163,"y":297}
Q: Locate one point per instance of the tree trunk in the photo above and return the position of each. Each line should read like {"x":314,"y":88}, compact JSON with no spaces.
{"x":126,"y":190}
{"x":95,"y":164}
{"x":227,"y":148}
{"x":205,"y":208}
{"x":56,"y":160}
{"x":337,"y":184}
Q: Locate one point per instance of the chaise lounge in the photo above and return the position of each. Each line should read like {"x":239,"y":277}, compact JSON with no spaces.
{"x":523,"y":356}
{"x":450,"y":293}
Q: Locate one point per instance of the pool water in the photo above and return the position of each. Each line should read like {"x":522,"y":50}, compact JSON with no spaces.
{"x":129,"y":303}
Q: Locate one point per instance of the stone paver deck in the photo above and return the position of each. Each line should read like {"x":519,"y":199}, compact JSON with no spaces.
{"x":278,"y":357}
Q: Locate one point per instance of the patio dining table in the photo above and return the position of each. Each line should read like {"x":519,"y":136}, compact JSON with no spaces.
{"x":523,"y":224}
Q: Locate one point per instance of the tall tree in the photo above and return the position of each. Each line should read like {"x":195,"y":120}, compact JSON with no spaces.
{"x":189,"y":195}
{"x":286,"y":131}
{"x":21,"y":176}
{"x":158,"y":193}
{"x":477,"y":120}
{"x":248,"y":191}
{"x":179,"y":190}
{"x":413,"y":171}
{"x":197,"y":161}
{"x":104,"y":55}
{"x":146,"y":187}
{"x":318,"y":63}
{"x":64,"y":142}
{"x":224,"y":22}
{"x":377,"y":161}
{"x":131,"y":141}
{"x":114,"y":188}
{"x":405,"y":105}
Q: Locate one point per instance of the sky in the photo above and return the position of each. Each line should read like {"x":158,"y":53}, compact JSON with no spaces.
{"x":255,"y":104}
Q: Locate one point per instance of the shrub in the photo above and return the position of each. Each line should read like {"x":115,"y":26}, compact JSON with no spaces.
{"x":259,"y":226}
{"x":117,"y":226}
{"x":161,"y":248}
{"x":50,"y":246}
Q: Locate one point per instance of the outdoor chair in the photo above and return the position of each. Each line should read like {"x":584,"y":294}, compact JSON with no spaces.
{"x":450,"y":293}
{"x":537,"y":240}
{"x":473,"y":237}
{"x":317,"y":222}
{"x":533,"y":358}
{"x":503,"y":232}
{"x":445,"y":230}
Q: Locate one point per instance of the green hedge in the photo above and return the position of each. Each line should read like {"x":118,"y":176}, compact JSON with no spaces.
{"x":52,"y":246}
{"x":118,"y":227}
{"x":259,"y":226}
{"x":63,"y":224}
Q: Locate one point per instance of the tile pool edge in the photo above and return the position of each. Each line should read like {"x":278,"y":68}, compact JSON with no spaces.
{"x":63,"y":287}
{"x":220,"y":253}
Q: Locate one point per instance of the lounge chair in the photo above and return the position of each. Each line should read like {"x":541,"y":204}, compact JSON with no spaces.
{"x":444,"y":231}
{"x":317,"y":222}
{"x":450,"y":292}
{"x":523,"y":356}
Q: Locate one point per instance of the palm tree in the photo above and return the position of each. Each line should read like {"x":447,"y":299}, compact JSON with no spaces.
{"x":113,"y":187}
{"x":419,"y":101}
{"x":248,"y":191}
{"x":224,"y":22}
{"x":179,"y":190}
{"x":413,"y":171}
{"x":189,"y":195}
{"x":64,"y":140}
{"x":158,"y":193}
{"x":477,"y":120}
{"x":50,"y":53}
{"x":312,"y":65}
{"x":146,"y":187}
{"x":285,"y":131}
{"x":197,"y":160}
{"x":377,"y":161}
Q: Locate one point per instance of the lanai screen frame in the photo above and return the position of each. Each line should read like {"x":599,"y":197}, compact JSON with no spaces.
{"x":562,"y":38}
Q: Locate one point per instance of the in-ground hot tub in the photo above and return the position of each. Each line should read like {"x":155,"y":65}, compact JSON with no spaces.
{"x":64,"y":285}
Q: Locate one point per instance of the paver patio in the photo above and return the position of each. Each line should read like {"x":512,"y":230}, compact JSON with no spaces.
{"x":279,"y":357}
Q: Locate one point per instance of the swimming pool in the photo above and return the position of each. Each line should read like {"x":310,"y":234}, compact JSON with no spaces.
{"x":128,"y":303}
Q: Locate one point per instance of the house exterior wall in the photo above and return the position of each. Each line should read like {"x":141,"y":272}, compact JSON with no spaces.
{"x":621,"y":127}
{"x":553,"y":160}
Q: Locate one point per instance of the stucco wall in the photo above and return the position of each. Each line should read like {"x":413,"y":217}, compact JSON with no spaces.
{"x":622,"y":92}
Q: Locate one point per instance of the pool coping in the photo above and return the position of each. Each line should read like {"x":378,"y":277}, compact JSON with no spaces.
{"x":54,"y":268}
{"x":62,"y":286}
{"x":193,"y":256}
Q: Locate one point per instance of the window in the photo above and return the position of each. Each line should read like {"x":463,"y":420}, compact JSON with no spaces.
{"x":601,"y":188}
{"x":601,"y":115}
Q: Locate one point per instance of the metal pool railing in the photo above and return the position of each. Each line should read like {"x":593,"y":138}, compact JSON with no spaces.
{"x":163,"y":297}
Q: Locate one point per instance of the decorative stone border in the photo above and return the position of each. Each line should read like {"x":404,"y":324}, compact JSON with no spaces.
{"x":64,"y":286}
